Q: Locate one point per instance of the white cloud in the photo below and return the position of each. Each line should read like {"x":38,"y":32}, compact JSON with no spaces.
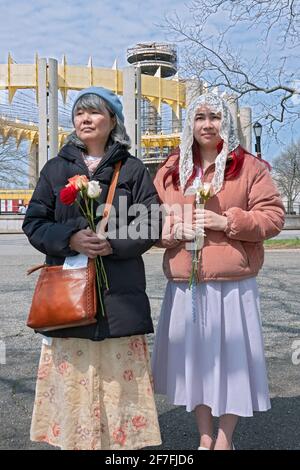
{"x":101,"y":28}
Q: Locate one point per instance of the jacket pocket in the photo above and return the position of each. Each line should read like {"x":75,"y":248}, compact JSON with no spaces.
{"x":255,"y":254}
{"x":224,"y":261}
{"x":237,"y":245}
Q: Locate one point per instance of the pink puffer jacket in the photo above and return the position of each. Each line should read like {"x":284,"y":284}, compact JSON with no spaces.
{"x":254,"y":210}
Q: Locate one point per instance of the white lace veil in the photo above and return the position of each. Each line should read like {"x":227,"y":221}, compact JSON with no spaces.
{"x":227,"y":133}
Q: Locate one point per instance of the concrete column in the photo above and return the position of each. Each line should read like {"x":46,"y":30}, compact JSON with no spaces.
{"x":245,"y":122}
{"x":233,"y":106}
{"x":33,"y":171}
{"x":176,"y":122}
{"x":194,"y":88}
{"x":150,"y":119}
{"x":43,"y":113}
{"x":53,"y":107}
{"x":138,"y":99}
{"x":132,"y":106}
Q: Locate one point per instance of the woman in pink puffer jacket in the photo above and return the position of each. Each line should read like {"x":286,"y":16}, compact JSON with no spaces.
{"x":208,"y":353}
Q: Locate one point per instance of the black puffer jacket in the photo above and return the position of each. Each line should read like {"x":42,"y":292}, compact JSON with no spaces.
{"x":49,"y":224}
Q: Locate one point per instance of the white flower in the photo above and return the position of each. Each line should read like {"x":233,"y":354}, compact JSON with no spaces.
{"x":206,"y":187}
{"x":93,"y":189}
{"x":205,"y":191}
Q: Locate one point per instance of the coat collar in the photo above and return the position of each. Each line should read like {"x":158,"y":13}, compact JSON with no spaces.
{"x":114,"y":154}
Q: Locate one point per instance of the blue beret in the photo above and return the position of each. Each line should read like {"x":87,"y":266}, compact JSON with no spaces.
{"x":107,"y":95}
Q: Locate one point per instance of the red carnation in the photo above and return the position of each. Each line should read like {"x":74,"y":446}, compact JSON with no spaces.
{"x":68,"y":195}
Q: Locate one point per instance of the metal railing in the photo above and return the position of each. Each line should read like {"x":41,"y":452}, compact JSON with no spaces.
{"x":292,"y":209}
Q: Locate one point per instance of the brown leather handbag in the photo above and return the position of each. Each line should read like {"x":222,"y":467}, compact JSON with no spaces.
{"x":65,"y":298}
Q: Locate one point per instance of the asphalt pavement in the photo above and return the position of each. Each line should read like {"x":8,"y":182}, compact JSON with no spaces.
{"x":277,"y":428}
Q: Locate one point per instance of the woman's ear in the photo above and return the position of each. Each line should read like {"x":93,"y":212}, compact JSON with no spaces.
{"x":114,"y":122}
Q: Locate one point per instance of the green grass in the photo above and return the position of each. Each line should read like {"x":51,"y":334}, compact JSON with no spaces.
{"x":292,"y":243}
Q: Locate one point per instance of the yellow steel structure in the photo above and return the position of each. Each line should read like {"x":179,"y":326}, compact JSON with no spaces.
{"x":71,"y":77}
{"x":25,"y":76}
{"x":20,"y":131}
{"x":24,"y":194}
{"x":160,"y":141}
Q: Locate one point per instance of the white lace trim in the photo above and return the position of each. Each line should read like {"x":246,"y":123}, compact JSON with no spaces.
{"x":227,"y":133}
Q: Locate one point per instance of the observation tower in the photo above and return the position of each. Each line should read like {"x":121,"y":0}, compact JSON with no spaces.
{"x":156,"y":59}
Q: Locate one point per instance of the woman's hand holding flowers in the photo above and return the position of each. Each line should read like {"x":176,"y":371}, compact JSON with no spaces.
{"x":204,"y":218}
{"x":184,"y":231}
{"x":87,"y":242}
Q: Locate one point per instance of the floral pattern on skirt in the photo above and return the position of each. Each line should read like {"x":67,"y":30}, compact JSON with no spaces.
{"x":95,"y":395}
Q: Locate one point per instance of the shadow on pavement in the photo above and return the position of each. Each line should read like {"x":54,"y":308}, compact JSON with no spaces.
{"x":275,"y":429}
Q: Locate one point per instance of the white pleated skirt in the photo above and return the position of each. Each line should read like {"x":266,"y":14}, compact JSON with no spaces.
{"x":209,"y":348}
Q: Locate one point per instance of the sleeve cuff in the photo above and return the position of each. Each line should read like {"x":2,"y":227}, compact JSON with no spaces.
{"x":228,"y":229}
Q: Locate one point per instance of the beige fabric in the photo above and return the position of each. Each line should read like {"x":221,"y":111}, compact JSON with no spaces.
{"x":95,"y":395}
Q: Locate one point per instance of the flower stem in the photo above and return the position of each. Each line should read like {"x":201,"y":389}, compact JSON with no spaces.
{"x":103,"y":273}
{"x":79,"y":205}
{"x":92,"y":215}
{"x":99,"y":290}
{"x":101,"y":276}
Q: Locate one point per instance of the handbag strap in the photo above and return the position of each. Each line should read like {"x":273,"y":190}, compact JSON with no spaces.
{"x":35,"y":268}
{"x":101,"y":226}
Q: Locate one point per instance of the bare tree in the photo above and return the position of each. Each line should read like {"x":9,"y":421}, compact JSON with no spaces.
{"x":266,"y":70}
{"x":286,"y":172}
{"x":13,"y":164}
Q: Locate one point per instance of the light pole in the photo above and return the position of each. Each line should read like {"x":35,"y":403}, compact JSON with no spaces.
{"x":257,"y":128}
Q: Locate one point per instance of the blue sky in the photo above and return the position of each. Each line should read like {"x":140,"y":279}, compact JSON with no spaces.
{"x":102,"y":29}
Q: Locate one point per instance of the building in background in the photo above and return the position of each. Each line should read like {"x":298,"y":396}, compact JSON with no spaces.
{"x":154,"y":100}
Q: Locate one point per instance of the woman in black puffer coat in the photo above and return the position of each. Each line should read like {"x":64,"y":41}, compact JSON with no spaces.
{"x":94,"y":382}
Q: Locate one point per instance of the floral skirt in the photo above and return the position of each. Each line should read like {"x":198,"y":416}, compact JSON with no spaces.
{"x":95,"y":395}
